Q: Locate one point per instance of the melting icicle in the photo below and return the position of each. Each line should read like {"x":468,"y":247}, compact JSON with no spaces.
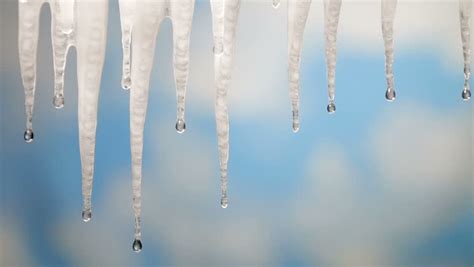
{"x":84,"y":25}
{"x":144,"y":20}
{"x":127,"y":10}
{"x":388,"y":16}
{"x":331,"y":20}
{"x":217,"y":9}
{"x":224,"y":29}
{"x":297,"y":15}
{"x":465,"y":7}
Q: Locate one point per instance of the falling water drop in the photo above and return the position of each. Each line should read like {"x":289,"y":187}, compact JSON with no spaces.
{"x":86,"y":215}
{"x":29,"y":135}
{"x":331,"y":108}
{"x":180,"y":126}
{"x":465,"y":7}
{"x":390,"y":94}
{"x":276,"y":3}
{"x":137,"y":245}
{"x":58,"y":101}
{"x":388,"y":16}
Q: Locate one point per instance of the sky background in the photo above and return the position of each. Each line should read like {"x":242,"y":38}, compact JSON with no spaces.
{"x":375,"y":184}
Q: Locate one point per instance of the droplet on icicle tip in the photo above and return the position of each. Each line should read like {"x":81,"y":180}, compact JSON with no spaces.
{"x":86,"y":215}
{"x":58,"y":101}
{"x":126,"y":83}
{"x":296,"y":121}
{"x":390,"y":95}
{"x":224,"y":202}
{"x":331,"y":108}
{"x":137,"y":245}
{"x":466,"y":94}
{"x":180,"y":126}
{"x":29,"y":135}
{"x":276,"y":3}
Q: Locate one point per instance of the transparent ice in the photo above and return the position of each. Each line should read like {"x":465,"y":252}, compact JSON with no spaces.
{"x":331,"y":19}
{"x":388,"y":16}
{"x":141,"y":21}
{"x":465,"y":8}
{"x":79,"y":23}
{"x":224,"y":20}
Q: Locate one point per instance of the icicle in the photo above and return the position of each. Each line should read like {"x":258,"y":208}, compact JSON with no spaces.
{"x":465,"y":7}
{"x":331,"y":20}
{"x":127,"y":10}
{"x":79,"y":23}
{"x":146,"y":22}
{"x":388,"y":16}
{"x":297,"y":15}
{"x":222,"y":76}
{"x":217,"y":9}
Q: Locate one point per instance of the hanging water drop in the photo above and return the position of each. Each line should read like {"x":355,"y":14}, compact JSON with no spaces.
{"x":296,"y":122}
{"x":276,"y":3}
{"x":58,"y":101}
{"x":466,"y":93}
{"x":224,"y":202}
{"x":331,"y":108}
{"x":180,"y":126}
{"x":137,"y":245}
{"x":126,"y":83}
{"x":390,"y":95}
{"x":29,"y":136}
{"x":86,"y":215}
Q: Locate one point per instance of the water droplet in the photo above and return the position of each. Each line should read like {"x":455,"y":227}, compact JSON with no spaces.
{"x":180,"y":126}
{"x":218,"y":48}
{"x":466,"y":94}
{"x":390,"y":95}
{"x":137,"y":245}
{"x":126,"y":83}
{"x":29,"y":136}
{"x":296,"y":126}
{"x":58,"y":101}
{"x":331,"y":107}
{"x":276,"y":3}
{"x":86,"y":215}
{"x":224,"y":202}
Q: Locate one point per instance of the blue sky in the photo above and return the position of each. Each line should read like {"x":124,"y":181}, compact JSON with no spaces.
{"x":375,"y":184}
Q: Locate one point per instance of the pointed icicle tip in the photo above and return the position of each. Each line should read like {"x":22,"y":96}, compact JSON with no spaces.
{"x":126,"y":83}
{"x":137,"y":245}
{"x":58,"y":101}
{"x":224,"y":202}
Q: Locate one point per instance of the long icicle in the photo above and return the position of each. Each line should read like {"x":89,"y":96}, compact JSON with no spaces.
{"x":297,"y":16}
{"x":388,"y":16}
{"x":222,"y":73}
{"x":331,"y":19}
{"x":84,"y":26}
{"x":465,"y":8}
{"x":147,"y":19}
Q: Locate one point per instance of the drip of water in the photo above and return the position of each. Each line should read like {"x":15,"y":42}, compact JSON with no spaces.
{"x":331,"y":19}
{"x":276,"y":3}
{"x":297,"y":16}
{"x":465,"y":11}
{"x":144,"y":21}
{"x":223,"y":29}
{"x":388,"y":16}
{"x":82,"y":24}
{"x":137,"y":245}
{"x":86,"y":215}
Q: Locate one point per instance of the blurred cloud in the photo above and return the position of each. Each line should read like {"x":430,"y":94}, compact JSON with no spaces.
{"x":13,"y":245}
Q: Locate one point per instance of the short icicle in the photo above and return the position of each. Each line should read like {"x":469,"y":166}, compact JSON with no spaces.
{"x":388,"y":16}
{"x":465,"y":9}
{"x":331,"y":19}
{"x":297,"y":16}
{"x":222,"y":75}
{"x":74,"y":23}
{"x":146,"y":21}
{"x":127,"y":11}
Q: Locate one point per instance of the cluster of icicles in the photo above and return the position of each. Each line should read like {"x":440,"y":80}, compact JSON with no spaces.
{"x":83,"y":24}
